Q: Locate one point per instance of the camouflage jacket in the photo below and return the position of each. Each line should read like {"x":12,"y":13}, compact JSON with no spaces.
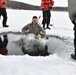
{"x":35,"y":29}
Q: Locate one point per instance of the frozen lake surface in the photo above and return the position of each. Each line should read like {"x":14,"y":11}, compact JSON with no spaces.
{"x":60,"y":46}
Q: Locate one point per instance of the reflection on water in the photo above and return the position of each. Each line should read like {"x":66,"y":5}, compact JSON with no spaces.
{"x":13,"y":47}
{"x":3,"y":45}
{"x":9,"y":43}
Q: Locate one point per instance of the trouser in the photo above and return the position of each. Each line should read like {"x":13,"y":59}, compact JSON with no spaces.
{"x":46,"y":18}
{"x":75,"y":41}
{"x":74,"y":36}
{"x":4,"y":14}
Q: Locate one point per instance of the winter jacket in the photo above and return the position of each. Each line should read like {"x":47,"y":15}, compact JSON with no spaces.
{"x":47,"y":4}
{"x":2,"y":3}
{"x":35,"y":29}
{"x":72,"y":9}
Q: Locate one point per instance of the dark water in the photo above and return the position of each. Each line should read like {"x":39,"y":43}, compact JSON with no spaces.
{"x":12,"y":47}
{"x":60,"y":46}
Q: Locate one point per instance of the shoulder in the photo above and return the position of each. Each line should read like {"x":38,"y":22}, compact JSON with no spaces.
{"x":29,"y":24}
{"x":39,"y":25}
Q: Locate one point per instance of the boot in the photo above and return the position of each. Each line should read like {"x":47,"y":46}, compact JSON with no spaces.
{"x":5,"y":36}
{"x":73,"y":56}
{"x":48,"y":28}
{"x":5,"y":26}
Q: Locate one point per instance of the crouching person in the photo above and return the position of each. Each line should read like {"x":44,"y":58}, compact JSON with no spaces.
{"x":33,"y":44}
{"x":3,"y":45}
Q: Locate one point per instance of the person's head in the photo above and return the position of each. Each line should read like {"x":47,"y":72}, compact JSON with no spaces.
{"x":34,"y":20}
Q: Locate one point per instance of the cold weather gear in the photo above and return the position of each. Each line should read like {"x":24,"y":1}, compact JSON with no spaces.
{"x":35,"y":29}
{"x":2,"y":3}
{"x":75,"y":39}
{"x":47,"y":4}
{"x":72,"y":15}
{"x":46,"y":18}
{"x":73,"y":56}
{"x":4,"y":14}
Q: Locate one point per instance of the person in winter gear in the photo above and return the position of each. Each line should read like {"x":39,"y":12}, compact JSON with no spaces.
{"x":3,"y":45}
{"x":31,"y":44}
{"x":72,"y":16}
{"x":34,"y":27}
{"x":46,"y":5}
{"x":3,"y":12}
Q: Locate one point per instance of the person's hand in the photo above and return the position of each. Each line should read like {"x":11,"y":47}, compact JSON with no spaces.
{"x":51,"y":7}
{"x":27,"y":31}
{"x":42,"y":9}
{"x":41,"y":33}
{"x":37,"y":36}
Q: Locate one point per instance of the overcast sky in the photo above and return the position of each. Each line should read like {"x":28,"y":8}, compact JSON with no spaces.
{"x":38,"y":2}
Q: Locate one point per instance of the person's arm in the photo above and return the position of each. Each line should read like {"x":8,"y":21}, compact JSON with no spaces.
{"x":42,"y":4}
{"x":25,"y":29}
{"x":2,"y":2}
{"x":52,"y":2}
{"x":42,"y":31}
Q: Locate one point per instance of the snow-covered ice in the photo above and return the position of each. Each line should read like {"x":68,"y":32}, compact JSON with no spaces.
{"x":61,"y":35}
{"x":27,"y":65}
{"x":49,"y":65}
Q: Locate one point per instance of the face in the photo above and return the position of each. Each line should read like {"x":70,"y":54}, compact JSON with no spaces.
{"x":35,"y":21}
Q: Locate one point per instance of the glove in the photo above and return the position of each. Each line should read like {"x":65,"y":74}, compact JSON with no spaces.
{"x":50,"y":7}
{"x":42,"y":9}
{"x":37,"y":36}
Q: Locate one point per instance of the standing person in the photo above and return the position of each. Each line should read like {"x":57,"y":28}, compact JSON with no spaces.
{"x":3,"y":12}
{"x":72,"y":15}
{"x":46,"y":5}
{"x":3,"y":45}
